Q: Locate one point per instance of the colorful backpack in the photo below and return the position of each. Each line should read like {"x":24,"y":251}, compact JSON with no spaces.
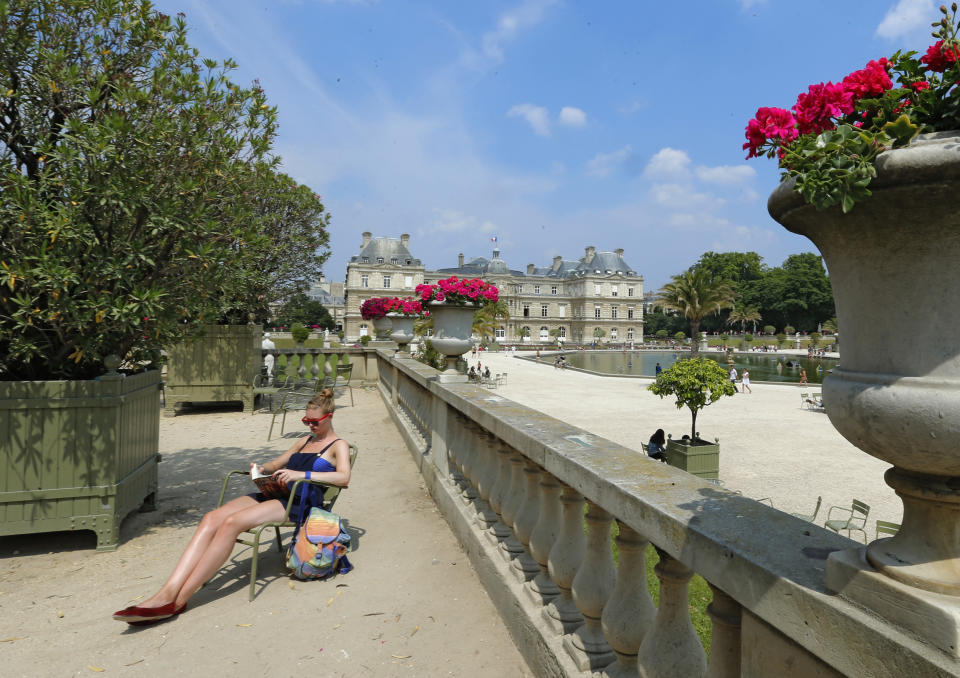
{"x":319,"y":546}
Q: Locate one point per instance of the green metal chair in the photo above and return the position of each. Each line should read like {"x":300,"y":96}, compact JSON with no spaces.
{"x":884,"y":527}
{"x":811,"y":517}
{"x":330,"y":496}
{"x":342,"y":380}
{"x":264,"y":386}
{"x":856,"y":520}
{"x":293,"y":400}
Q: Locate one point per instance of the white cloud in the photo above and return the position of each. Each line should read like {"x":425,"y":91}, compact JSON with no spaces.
{"x":525,"y":15}
{"x":537,"y":116}
{"x":682,"y":196}
{"x":572,"y":117}
{"x":634,"y":106}
{"x":668,"y":162}
{"x":725,"y":174}
{"x":905,"y":17}
{"x":603,"y":164}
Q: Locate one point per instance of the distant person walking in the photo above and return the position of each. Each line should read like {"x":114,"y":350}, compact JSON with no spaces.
{"x":803,"y":376}
{"x":733,"y":378}
{"x":745,"y":382}
{"x":658,"y":370}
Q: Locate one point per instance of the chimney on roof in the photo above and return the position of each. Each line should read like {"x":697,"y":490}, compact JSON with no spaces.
{"x":619,"y":252}
{"x":530,"y":269}
{"x":366,"y":235}
{"x":460,"y":260}
{"x":590,"y":252}
{"x":405,"y":239}
{"x":556,"y":262}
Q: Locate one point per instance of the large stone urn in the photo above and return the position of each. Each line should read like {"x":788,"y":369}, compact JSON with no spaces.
{"x":382,"y":328}
{"x":402,"y":330}
{"x":894,"y":264}
{"x":452,"y":327}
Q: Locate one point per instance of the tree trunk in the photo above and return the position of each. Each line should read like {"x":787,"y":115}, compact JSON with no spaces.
{"x":693,"y":426}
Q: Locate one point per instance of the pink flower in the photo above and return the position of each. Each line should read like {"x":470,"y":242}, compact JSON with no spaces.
{"x":870,"y":81}
{"x":940,"y":59}
{"x":770,"y":124}
{"x":919,"y":86}
{"x":816,"y":108}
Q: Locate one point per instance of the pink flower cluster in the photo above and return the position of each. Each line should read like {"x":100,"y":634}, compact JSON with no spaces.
{"x":940,"y":59}
{"x":817,"y":109}
{"x":378,"y":307}
{"x":472,"y":291}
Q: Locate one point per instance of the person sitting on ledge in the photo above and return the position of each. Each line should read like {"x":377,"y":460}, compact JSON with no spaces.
{"x":321,"y":456}
{"x":657,"y":446}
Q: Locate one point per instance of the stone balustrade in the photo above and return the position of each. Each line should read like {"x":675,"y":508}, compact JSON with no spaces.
{"x":312,"y":363}
{"x":513,"y":483}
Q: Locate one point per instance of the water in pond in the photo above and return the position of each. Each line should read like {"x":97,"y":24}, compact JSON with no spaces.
{"x":762,"y":366}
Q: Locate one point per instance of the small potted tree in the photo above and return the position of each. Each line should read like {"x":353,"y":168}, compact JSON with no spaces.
{"x":695,"y":383}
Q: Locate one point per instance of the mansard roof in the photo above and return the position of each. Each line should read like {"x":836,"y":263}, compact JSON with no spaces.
{"x":387,"y":249}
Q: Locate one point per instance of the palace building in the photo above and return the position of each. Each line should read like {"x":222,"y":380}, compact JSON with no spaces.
{"x":598,"y":297}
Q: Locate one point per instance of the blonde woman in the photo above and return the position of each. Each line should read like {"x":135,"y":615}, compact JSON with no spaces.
{"x":321,"y":455}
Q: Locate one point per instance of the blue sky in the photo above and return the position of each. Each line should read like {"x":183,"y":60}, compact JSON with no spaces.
{"x":550,"y":124}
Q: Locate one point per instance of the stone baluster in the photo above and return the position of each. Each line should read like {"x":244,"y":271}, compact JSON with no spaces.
{"x":629,"y":613}
{"x":512,"y":501}
{"x":525,"y":567}
{"x":302,"y":368}
{"x":565,"y":560}
{"x":468,"y":460}
{"x":592,"y":586}
{"x":726,"y":613}
{"x":498,"y":493}
{"x":543,"y":589}
{"x":486,"y":475}
{"x":671,"y":648}
{"x":458,"y":440}
{"x":315,"y":367}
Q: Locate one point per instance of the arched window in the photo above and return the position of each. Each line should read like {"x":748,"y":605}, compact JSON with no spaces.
{"x":363,"y":330}
{"x":544,"y":334}
{"x":613,"y":333}
{"x":629,"y":334}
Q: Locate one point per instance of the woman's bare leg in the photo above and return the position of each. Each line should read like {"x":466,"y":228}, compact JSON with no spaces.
{"x":201,"y":539}
{"x":220,"y":547}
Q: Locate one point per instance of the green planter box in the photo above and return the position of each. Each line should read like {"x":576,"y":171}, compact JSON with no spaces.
{"x":702,"y":459}
{"x":78,"y":455}
{"x":217,"y":366}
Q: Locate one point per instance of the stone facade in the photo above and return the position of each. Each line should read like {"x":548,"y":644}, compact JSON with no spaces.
{"x":574,"y":297}
{"x":331,"y":295}
{"x":383,"y":268}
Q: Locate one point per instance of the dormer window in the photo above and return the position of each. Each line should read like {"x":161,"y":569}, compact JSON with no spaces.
{"x":395,"y":261}
{"x":379,"y":260}
{"x":364,"y":260}
{"x":409,"y":262}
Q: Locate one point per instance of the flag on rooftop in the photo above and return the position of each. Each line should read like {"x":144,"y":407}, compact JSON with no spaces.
{"x":493,"y":239}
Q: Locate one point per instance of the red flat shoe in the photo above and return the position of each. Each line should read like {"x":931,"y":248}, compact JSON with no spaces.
{"x":148,"y":615}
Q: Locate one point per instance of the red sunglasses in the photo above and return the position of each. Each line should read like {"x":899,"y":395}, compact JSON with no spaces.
{"x":316,"y":422}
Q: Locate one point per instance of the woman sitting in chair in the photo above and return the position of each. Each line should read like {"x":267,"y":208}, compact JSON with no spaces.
{"x":321,"y":456}
{"x":657,"y":446}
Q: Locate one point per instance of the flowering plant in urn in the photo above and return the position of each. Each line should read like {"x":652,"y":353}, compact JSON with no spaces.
{"x":830,"y":139}
{"x":460,"y":292}
{"x":374,"y":307}
{"x":405,"y":307}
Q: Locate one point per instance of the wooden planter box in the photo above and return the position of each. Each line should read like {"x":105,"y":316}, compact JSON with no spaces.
{"x":701,"y":459}
{"x":217,"y":366}
{"x":78,"y":455}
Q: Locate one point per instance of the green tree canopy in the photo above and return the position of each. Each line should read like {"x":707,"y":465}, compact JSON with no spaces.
{"x":299,"y":308}
{"x":798,"y":293}
{"x":695,"y":294}
{"x":138,"y":195}
{"x":696,"y":383}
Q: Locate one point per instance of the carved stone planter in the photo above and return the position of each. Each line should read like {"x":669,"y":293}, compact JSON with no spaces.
{"x":452,"y":327}
{"x":893,"y":266}
{"x":382,"y":328}
{"x":402,"y":330}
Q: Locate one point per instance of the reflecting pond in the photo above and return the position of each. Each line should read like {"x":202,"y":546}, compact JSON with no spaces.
{"x":762,"y":366}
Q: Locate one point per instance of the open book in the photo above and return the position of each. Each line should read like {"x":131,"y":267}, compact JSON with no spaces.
{"x":269,"y":486}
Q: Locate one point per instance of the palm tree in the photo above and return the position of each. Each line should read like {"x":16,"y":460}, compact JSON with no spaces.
{"x":743,"y":315}
{"x":695,"y":294}
{"x":486,"y":320}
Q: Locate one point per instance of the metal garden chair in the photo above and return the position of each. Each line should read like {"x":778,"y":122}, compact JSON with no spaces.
{"x":856,"y":520}
{"x":811,"y":517}
{"x":330,"y":496}
{"x":884,"y":527}
{"x":343,"y":375}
